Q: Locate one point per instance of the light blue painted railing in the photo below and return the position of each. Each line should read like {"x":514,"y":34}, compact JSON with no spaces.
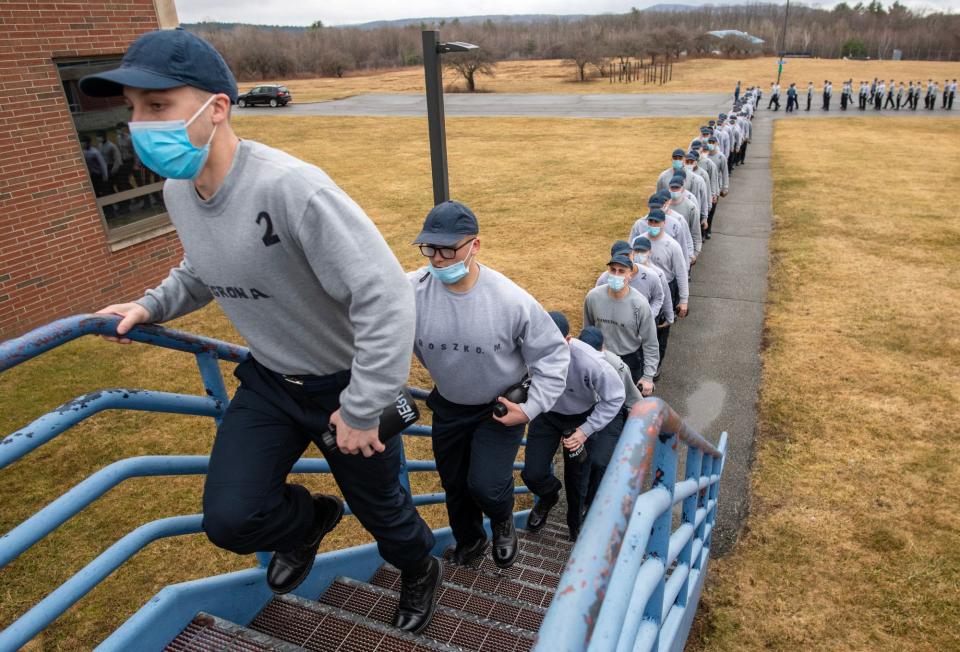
{"x":52,"y":424}
{"x":633,"y":581}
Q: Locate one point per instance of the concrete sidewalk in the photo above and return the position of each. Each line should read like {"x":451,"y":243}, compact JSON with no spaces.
{"x":711,"y":373}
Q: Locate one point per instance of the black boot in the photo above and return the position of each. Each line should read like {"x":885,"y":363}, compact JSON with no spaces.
{"x":288,"y":569}
{"x":418,"y":592}
{"x":505,"y":545}
{"x":538,"y":515}
{"x":465,"y":555}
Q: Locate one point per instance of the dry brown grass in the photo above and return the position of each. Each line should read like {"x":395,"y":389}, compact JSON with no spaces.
{"x":689,"y":76}
{"x":853,"y":539}
{"x":551,"y":196}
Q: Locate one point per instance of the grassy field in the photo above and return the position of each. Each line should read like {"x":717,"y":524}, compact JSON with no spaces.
{"x":852,"y":539}
{"x":572,"y":187}
{"x":689,"y":76}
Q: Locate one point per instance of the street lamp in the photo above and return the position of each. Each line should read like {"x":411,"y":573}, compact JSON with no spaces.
{"x":432,"y":69}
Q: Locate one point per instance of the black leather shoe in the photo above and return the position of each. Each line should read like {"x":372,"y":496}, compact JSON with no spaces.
{"x":466,"y":555}
{"x":288,"y":569}
{"x":505,"y":544}
{"x":538,"y":515}
{"x":418,"y":592}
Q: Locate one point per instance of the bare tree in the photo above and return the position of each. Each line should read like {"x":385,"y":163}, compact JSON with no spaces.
{"x":470,"y":64}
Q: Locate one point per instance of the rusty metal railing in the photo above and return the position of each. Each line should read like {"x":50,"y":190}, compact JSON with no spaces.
{"x":633,"y":581}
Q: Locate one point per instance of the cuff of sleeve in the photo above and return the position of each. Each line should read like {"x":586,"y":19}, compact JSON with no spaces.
{"x":356,"y":422}
{"x":649,"y":379}
{"x":152,"y":306}
{"x":531,"y":410}
{"x":587,"y":430}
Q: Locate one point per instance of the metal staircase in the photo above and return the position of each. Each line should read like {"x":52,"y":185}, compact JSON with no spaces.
{"x":632,"y":581}
{"x":479,"y":607}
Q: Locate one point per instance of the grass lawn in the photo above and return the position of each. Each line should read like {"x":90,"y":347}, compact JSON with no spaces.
{"x":689,"y":76}
{"x":549,"y":210}
{"x":852,"y":539}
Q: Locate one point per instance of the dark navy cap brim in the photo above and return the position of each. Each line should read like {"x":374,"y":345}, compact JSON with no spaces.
{"x":111,"y":83}
{"x":441,"y":239}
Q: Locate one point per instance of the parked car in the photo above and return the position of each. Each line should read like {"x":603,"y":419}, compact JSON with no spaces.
{"x":274,"y":95}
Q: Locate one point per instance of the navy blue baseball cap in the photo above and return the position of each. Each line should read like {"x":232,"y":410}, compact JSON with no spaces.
{"x":163,"y":59}
{"x":561,"y":321}
{"x":676,"y":181}
{"x":697,"y":144}
{"x":677,"y":152}
{"x":619,"y":247}
{"x":664,"y":195}
{"x":655,"y":200}
{"x":656,"y":215}
{"x":642,"y":243}
{"x":691,"y":156}
{"x":447,"y":224}
{"x":593,"y":336}
{"x":622,"y":259}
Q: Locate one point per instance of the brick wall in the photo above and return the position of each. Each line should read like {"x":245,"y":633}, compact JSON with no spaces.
{"x":54,"y":258}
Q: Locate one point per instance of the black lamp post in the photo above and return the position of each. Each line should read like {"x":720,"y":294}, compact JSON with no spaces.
{"x":432,"y":68}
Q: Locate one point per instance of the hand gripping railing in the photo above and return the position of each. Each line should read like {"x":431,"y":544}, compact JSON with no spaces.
{"x":631,"y":584}
{"x":49,"y":426}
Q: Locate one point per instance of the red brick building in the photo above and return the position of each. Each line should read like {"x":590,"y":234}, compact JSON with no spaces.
{"x":83,"y":223}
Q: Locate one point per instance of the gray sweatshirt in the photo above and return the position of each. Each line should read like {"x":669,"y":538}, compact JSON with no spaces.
{"x":591,"y":382}
{"x":627,"y":325}
{"x":663,"y":181}
{"x":633,"y":394}
{"x":300,"y":271}
{"x":476,"y":344}
{"x":718,"y":159}
{"x":688,"y":209}
{"x":665,"y":253}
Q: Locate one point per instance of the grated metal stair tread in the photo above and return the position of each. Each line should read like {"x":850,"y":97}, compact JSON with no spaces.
{"x":316,"y":626}
{"x":449,"y":625}
{"x":479,"y":607}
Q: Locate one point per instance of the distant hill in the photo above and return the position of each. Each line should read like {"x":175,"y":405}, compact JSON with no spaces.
{"x":436,"y":20}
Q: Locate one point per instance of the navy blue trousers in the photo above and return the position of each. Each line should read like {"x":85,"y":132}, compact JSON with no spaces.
{"x":248,"y":505}
{"x":475,"y":457}
{"x":543,"y":439}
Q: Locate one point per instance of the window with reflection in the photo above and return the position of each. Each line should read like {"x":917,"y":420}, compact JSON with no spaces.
{"x":127,"y":192}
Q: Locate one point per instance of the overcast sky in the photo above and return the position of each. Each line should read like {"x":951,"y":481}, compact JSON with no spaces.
{"x":344,"y":12}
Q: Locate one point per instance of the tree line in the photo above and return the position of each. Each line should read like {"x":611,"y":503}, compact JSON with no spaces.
{"x":861,"y":30}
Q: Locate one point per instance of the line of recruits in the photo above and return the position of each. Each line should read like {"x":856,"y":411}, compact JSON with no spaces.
{"x":877,"y":93}
{"x":331,"y":319}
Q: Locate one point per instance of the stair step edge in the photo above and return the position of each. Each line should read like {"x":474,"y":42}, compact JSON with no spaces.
{"x":235,"y":631}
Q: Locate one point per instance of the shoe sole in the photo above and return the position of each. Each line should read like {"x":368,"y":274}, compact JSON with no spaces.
{"x":306,"y":572}
{"x":433,"y":603}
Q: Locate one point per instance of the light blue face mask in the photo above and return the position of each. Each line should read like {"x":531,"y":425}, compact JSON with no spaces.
{"x":164,"y":146}
{"x":616,"y":283}
{"x":450,"y":274}
{"x":676,"y":194}
{"x":677,"y":165}
{"x":653,"y":230}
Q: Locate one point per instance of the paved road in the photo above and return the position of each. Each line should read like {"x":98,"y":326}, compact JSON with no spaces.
{"x":611,"y":105}
{"x":515,"y":104}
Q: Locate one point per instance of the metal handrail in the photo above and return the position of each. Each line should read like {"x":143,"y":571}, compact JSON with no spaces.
{"x":50,"y":425}
{"x":615,"y":593}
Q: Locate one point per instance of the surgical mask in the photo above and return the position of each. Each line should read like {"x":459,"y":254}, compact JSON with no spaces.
{"x":450,"y":274}
{"x":164,"y":146}
{"x":689,"y":166}
{"x":640,"y":258}
{"x":616,"y":283}
{"x":676,"y":194}
{"x":653,"y":230}
{"x":677,"y":165}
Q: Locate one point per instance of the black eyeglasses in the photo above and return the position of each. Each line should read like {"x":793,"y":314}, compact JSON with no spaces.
{"x":445,"y":252}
